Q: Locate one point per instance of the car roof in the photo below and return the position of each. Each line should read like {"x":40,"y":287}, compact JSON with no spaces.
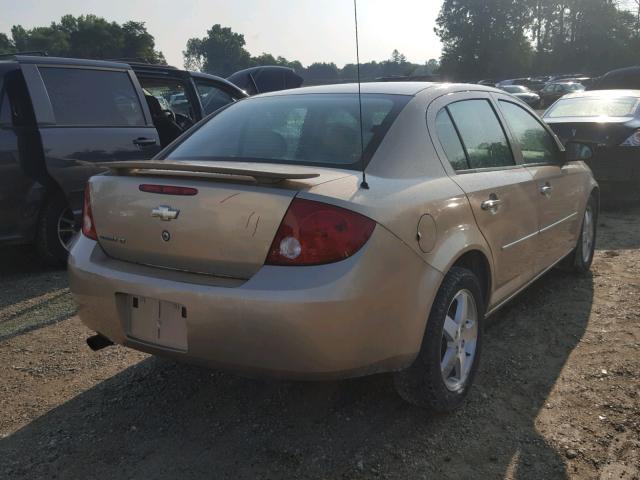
{"x":604,"y":93}
{"x":42,"y":60}
{"x":390,"y":88}
{"x":433,"y":89}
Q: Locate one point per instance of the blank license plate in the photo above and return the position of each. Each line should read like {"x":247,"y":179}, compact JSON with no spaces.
{"x":158,"y":322}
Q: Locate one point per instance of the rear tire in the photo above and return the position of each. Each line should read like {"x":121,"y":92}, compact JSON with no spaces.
{"x":428,"y":382}
{"x":580,"y":259}
{"x":56,"y":227}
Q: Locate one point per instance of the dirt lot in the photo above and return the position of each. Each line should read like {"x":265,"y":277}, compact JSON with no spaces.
{"x":558,"y":395}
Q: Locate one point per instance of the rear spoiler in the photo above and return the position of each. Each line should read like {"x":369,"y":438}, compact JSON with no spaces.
{"x":262,"y":173}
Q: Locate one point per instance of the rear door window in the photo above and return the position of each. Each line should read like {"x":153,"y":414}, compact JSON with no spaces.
{"x":536,"y":144}
{"x":481,"y":133}
{"x":171,"y":95}
{"x":450,"y":141}
{"x":91,"y":97}
{"x":212,"y":97}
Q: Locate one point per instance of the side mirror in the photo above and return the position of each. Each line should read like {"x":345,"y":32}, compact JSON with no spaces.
{"x":576,"y":151}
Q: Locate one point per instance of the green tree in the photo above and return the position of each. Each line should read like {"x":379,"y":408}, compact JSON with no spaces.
{"x":591,"y":36}
{"x":264,"y":59}
{"x":138,"y":43}
{"x":484,"y":38}
{"x":46,"y":39}
{"x":321,"y":72}
{"x":89,"y":36}
{"x":6,"y":45}
{"x":221,"y":52}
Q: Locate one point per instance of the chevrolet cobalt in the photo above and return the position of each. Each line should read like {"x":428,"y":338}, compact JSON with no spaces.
{"x":256,"y":244}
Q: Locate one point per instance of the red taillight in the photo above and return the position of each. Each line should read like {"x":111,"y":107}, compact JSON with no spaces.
{"x":168,"y":189}
{"x":313,"y":233}
{"x":88,"y":226}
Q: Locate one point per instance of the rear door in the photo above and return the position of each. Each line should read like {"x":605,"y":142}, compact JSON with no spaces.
{"x":559,"y":184}
{"x":177,"y":107}
{"x":212,"y":95}
{"x":87,"y":114}
{"x":13,"y":182}
{"x":500,"y":191}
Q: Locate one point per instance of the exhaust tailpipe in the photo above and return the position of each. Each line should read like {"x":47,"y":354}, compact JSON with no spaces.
{"x":98,"y":342}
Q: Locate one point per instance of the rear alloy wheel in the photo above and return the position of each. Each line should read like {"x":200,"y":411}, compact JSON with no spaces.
{"x":440,"y":377}
{"x":582,"y":256}
{"x":56,"y":228}
{"x":459,"y":339}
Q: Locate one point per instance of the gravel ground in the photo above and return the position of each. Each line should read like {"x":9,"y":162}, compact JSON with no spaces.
{"x":557,"y":395}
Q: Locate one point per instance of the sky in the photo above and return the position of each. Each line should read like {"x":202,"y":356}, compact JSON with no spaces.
{"x":305,"y":30}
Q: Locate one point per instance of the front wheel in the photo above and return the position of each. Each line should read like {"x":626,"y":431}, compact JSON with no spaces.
{"x":440,"y":377}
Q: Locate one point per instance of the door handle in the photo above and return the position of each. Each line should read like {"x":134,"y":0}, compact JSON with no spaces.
{"x":546,"y":190}
{"x":144,"y":142}
{"x":491,"y":205}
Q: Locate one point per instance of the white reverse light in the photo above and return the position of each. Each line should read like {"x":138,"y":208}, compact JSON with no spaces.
{"x":290,"y":248}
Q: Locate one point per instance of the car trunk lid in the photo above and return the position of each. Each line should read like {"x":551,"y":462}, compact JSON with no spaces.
{"x":225,"y":229}
{"x":606,"y":132}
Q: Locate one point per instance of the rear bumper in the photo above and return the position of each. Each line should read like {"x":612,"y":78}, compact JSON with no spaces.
{"x":617,"y":170}
{"x":363,"y":315}
{"x":616,"y":164}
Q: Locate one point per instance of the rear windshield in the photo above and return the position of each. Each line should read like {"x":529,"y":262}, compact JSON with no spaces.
{"x":593,"y":107}
{"x":308,"y":129}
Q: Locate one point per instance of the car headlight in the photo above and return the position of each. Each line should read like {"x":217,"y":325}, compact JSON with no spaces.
{"x":633,"y":140}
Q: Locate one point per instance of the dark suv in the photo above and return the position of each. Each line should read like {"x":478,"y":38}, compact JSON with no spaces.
{"x":58,"y":116}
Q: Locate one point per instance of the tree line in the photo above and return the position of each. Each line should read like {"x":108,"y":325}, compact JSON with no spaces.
{"x":85,"y":36}
{"x":508,"y":38}
{"x":481,"y":39}
{"x":221,"y":52}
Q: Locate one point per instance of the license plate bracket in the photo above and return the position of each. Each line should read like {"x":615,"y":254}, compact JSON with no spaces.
{"x":157,"y":322}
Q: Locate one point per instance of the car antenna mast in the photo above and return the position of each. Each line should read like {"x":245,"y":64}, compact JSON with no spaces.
{"x":364,"y":183}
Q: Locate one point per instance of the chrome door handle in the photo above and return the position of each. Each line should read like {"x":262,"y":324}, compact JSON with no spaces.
{"x":491,"y":205}
{"x":546,"y":190}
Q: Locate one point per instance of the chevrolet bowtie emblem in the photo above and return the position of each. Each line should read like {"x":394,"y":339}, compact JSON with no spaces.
{"x":165,"y":213}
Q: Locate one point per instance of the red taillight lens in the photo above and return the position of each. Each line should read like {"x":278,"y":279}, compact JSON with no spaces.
{"x":88,"y":226}
{"x":168,"y":189}
{"x":314,"y":233}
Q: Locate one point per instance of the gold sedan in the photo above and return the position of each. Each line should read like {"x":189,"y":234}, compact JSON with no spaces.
{"x":256,"y":243}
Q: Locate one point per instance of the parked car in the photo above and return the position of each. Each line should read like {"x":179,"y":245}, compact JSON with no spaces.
{"x":531,"y":83}
{"x":190,"y":97}
{"x":621,"y":78}
{"x":566,"y":76}
{"x":609,"y":119}
{"x":553,"y":91}
{"x":523,"y":93}
{"x":266,"y":79}
{"x":59,"y":116}
{"x":255,"y":243}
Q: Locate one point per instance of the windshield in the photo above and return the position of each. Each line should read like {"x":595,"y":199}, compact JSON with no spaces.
{"x":515,"y":89}
{"x":593,"y":107}
{"x":308,"y":129}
